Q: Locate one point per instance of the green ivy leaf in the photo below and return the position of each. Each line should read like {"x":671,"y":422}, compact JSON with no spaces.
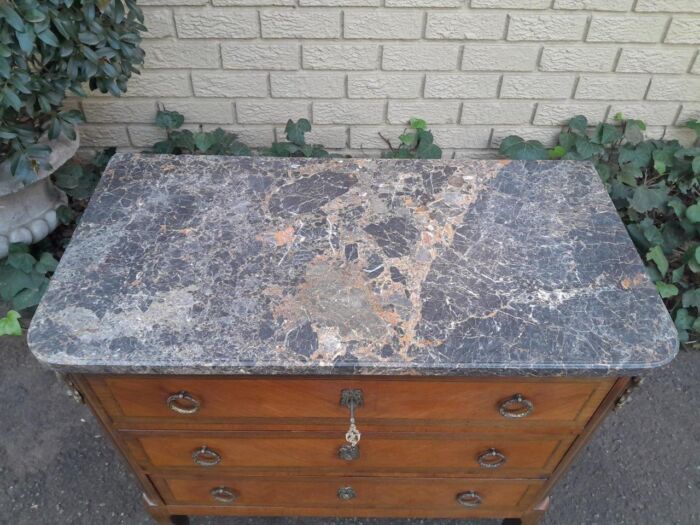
{"x":677,"y":206}
{"x":683,"y":319}
{"x":639,"y":155}
{"x":9,"y":325}
{"x":169,"y":119}
{"x":519,"y":149}
{"x":666,"y":290}
{"x":691,"y":298}
{"x":418,"y":123}
{"x":409,"y":139}
{"x":21,"y":261}
{"x":677,"y":274}
{"x":65,"y":215}
{"x":578,"y":124}
{"x":295,"y":131}
{"x":694,"y":124}
{"x":629,"y":175}
{"x":46,"y":263}
{"x":557,"y":152}
{"x":692,"y":213}
{"x":203,"y":141}
{"x":30,"y":297}
{"x":587,"y":149}
{"x":647,"y":198}
{"x":606,"y":134}
{"x":634,"y":131}
{"x":656,"y":255}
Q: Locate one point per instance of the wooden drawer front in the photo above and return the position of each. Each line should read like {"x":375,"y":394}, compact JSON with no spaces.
{"x":386,"y":400}
{"x":318,"y":451}
{"x":369,"y":493}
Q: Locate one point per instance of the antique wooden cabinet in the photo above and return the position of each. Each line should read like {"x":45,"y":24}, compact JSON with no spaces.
{"x":350,"y":337}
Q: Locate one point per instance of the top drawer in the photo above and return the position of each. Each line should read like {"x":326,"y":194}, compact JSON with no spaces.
{"x":153,"y":402}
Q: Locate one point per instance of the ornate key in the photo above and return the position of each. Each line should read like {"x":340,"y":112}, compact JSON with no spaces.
{"x":351,"y":450}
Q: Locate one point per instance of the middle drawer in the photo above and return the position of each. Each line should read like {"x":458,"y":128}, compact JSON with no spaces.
{"x":379,"y":452}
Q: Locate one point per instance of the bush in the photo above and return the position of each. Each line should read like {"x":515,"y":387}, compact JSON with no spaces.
{"x":185,"y":142}
{"x":296,"y":145}
{"x":414,"y":144}
{"x":655,"y":185}
{"x":49,"y":48}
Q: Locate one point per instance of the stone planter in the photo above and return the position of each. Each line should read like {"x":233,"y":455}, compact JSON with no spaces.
{"x":28,"y":213}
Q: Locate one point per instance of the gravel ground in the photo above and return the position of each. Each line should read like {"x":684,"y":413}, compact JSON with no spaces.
{"x":642,"y":468}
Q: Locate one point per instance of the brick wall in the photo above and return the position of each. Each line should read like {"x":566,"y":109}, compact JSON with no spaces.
{"x":477,"y":70}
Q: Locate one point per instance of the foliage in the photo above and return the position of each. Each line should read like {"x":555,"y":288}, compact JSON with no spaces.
{"x":49,"y":48}
{"x":655,"y":185}
{"x":24,"y":277}
{"x":9,"y":325}
{"x":78,"y":181}
{"x":25,"y":273}
{"x":418,"y":143}
{"x":296,"y":145}
{"x":185,"y":142}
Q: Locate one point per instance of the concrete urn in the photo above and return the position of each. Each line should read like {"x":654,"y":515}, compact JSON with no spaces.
{"x":28,"y":213}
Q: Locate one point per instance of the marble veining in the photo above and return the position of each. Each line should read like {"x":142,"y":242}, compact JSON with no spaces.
{"x":223,"y":265}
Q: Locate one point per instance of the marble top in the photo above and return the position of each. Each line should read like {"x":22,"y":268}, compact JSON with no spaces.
{"x":224,"y":265}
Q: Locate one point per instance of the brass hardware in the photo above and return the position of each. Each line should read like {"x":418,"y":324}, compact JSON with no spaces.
{"x":351,"y":398}
{"x":349,"y":452}
{"x":516,"y":407}
{"x":492,"y":458}
{"x":469,"y":499}
{"x":346,"y":493}
{"x":223,"y":494}
{"x":183,"y":403}
{"x":635,"y":382}
{"x":206,"y":457}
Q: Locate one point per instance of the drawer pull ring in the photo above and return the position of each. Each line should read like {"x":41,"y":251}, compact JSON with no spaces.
{"x":516,"y":407}
{"x":469,"y":499}
{"x":346,"y":493}
{"x":492,"y":458}
{"x":183,"y":403}
{"x":223,"y":494}
{"x":206,"y":457}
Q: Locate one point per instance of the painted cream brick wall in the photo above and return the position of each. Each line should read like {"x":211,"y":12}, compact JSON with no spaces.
{"x":477,"y":70}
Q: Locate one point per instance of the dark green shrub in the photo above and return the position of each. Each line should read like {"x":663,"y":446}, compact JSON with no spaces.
{"x":655,"y":185}
{"x":49,"y":48}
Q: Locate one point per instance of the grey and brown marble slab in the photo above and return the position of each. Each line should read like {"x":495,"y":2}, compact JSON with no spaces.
{"x":223,"y":265}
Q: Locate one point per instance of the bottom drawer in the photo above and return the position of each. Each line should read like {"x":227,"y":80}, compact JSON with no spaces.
{"x":452,"y":496}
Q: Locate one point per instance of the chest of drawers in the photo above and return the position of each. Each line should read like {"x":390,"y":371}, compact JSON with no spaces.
{"x":473,"y":447}
{"x":367,"y":338}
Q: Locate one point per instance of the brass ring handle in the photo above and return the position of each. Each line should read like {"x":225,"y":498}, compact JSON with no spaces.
{"x":469,"y":499}
{"x":223,"y":494}
{"x":492,"y":458}
{"x":183,"y":403}
{"x":516,"y":407}
{"x":206,"y":457}
{"x":346,"y":493}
